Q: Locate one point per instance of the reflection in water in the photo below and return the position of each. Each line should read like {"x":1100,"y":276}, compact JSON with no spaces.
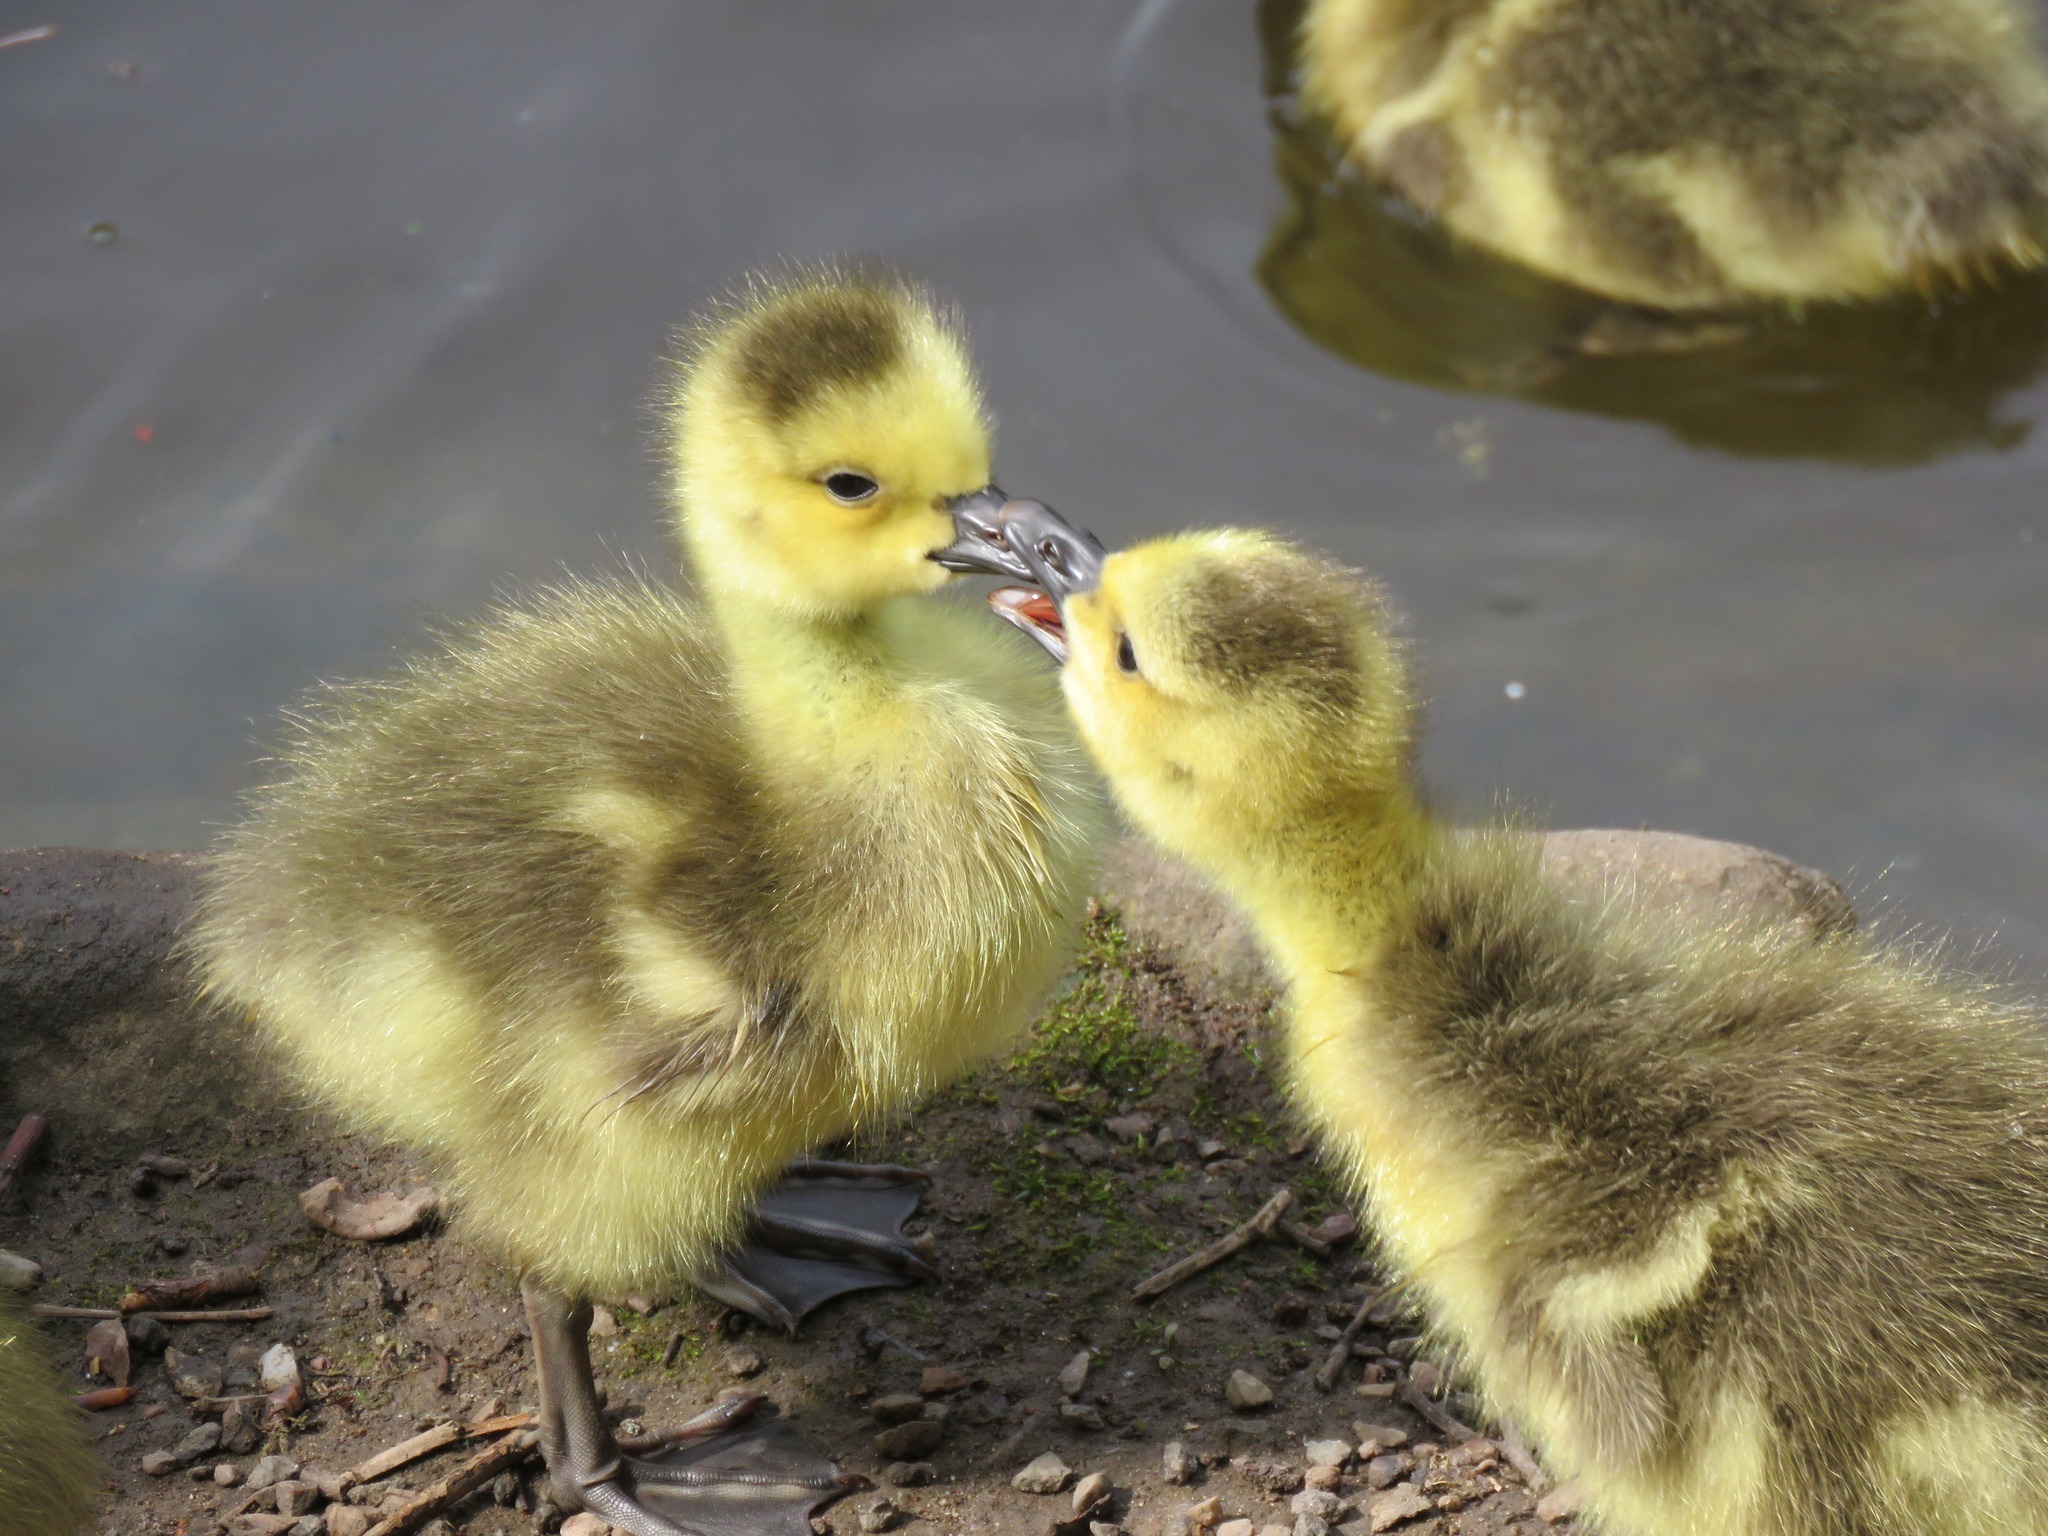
{"x":1372,"y":280}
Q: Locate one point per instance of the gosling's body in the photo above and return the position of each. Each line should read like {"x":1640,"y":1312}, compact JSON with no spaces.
{"x":618,"y":902}
{"x":1689,"y":153}
{"x":47,"y":1471}
{"x":1747,"y":1229}
{"x":617,"y":923}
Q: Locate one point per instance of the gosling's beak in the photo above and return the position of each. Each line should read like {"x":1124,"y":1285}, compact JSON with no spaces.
{"x":978,"y":545}
{"x":1063,"y":560}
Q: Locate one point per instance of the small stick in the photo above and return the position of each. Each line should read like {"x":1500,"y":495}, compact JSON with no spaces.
{"x":458,"y":1485}
{"x":1332,"y":1368}
{"x":499,"y":1425}
{"x":234,"y":1280}
{"x":1295,"y":1232}
{"x":423,"y":1444}
{"x":105,"y":1397}
{"x":1216,"y":1252}
{"x":225,"y":1315}
{"x":21,"y":1146}
{"x":1518,"y":1456}
{"x":1419,"y":1401}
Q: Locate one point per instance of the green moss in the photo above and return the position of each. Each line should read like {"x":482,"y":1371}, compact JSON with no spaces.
{"x":1088,"y":1049}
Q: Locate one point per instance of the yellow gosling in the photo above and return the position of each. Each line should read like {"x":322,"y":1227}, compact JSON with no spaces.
{"x":617,"y":902}
{"x":47,"y":1472}
{"x":1750,"y":1230}
{"x":1701,"y":153}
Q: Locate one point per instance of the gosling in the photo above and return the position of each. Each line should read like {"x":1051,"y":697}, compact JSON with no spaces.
{"x":47,"y":1471}
{"x":1750,"y":1230}
{"x":616,"y":903}
{"x":1707,"y":153}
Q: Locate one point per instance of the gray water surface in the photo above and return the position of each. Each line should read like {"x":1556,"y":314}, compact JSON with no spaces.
{"x":388,"y":285}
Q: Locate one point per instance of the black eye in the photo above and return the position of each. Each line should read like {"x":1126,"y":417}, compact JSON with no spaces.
{"x":1126,"y":658}
{"x":850,"y":486}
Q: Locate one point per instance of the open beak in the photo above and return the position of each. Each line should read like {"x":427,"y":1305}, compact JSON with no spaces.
{"x":1060,"y":560}
{"x":978,"y":545}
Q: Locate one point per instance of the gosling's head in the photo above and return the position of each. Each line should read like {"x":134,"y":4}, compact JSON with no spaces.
{"x":821,"y":428}
{"x":1229,"y":684}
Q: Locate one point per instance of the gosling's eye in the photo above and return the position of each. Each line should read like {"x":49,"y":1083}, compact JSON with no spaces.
{"x":1126,"y":658}
{"x":850,"y":486}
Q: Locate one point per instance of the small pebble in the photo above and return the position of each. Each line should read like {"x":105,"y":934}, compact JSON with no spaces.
{"x":1239,"y":1527}
{"x":1179,"y":1466}
{"x":1308,"y":1525}
{"x":1373,"y":1438}
{"x":227,"y":1474}
{"x":1074,"y":1374}
{"x":1381,"y":1471}
{"x":1048,"y":1474}
{"x":146,"y":1335}
{"x":1317,"y":1502}
{"x":586,"y":1524}
{"x":910,"y":1442}
{"x":1083,"y":1416}
{"x":1205,"y":1512}
{"x":1089,"y":1492}
{"x":742,"y":1360}
{"x":1327,"y":1453}
{"x":1246,"y":1393}
{"x":270,"y":1470}
{"x":880,"y":1516}
{"x":296,"y":1498}
{"x":909,"y":1474}
{"x":1397,"y":1505}
{"x":348,"y":1520}
{"x":897,"y":1407}
{"x":1330,"y":1478}
{"x":1129,"y":1127}
{"x":939,"y":1380}
{"x":1427,"y":1376}
{"x":604,"y":1323}
{"x":279,"y":1367}
{"x":1561,"y":1503}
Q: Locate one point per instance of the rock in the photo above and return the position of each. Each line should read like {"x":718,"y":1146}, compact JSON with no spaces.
{"x":1275,"y":1530}
{"x":1478,"y":1454}
{"x":297,"y":1498}
{"x":1381,"y":1471}
{"x":1129,"y":1127}
{"x":1179,"y":1466}
{"x":909,"y":1474}
{"x":1561,"y":1503}
{"x":1246,"y":1393}
{"x":1307,"y":1525}
{"x":159,"y":1464}
{"x":227,"y":1475}
{"x":1048,"y":1474}
{"x":18,"y":1273}
{"x":1379,"y":1390}
{"x":166,"y":1167}
{"x":193,"y":1375}
{"x":1074,"y":1374}
{"x":1290,"y":1311}
{"x":200,"y":1442}
{"x":1327,"y":1453}
{"x":348,"y":1520}
{"x":1373,"y":1438}
{"x":1427,"y":1377}
{"x":1209,"y":1149}
{"x":1089,"y":1492}
{"x":381,"y":1216}
{"x":604,"y":1323}
{"x":1396,"y":1505}
{"x":586,"y":1524}
{"x":1330,"y":1478}
{"x":1314,"y":1501}
{"x":146,"y":1336}
{"x":1336,"y":1229}
{"x":261,"y":1525}
{"x":310,"y":1525}
{"x":742,"y":1361}
{"x":1205,"y":1512}
{"x":272,"y":1470}
{"x":910,"y":1442}
{"x":897,"y":1407}
{"x":1087,"y":1151}
{"x":329,"y":1483}
{"x":880,"y":1516}
{"x":279,"y":1367}
{"x":240,"y":1432}
{"x":940,"y":1380}
{"x":106,"y":1351}
{"x":1083,"y":1416}
{"x":1234,"y":1528}
{"x":1271,"y":1473}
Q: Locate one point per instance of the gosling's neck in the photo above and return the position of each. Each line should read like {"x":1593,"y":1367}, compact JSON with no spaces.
{"x":1323,"y":882}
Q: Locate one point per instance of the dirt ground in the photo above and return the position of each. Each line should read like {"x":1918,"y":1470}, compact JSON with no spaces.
{"x":1137,"y":1122}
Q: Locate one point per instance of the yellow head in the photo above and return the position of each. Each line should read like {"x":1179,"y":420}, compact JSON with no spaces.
{"x":820,"y":428}
{"x":1235,"y":689}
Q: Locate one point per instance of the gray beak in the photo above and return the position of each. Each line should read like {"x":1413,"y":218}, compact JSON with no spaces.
{"x":978,"y":545}
{"x":1060,"y":560}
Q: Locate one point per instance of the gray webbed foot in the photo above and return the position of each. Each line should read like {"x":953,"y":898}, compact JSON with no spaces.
{"x":826,"y":1230}
{"x":733,"y":1471}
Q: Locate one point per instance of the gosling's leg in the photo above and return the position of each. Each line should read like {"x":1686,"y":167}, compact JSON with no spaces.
{"x":717,"y":1474}
{"x":826,"y":1229}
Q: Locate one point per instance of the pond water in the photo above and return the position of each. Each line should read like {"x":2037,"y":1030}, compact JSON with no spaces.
{"x":322,"y":319}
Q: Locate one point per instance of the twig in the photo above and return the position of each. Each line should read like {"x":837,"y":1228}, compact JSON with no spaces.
{"x":225,"y":1315}
{"x":1419,"y":1401}
{"x":1511,"y":1446}
{"x":457,"y":1485}
{"x":1216,"y":1252}
{"x":21,"y":1146}
{"x":230,"y":1280}
{"x":1332,"y":1368}
{"x":1295,"y":1232}
{"x":406,"y":1451}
